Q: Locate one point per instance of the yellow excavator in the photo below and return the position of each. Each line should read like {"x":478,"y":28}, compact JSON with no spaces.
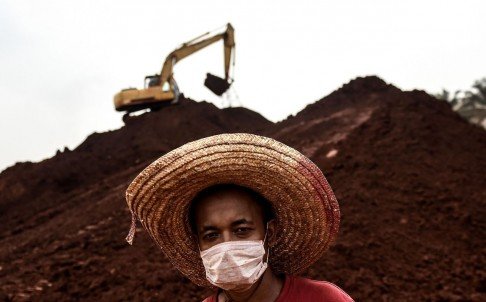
{"x":161,"y":89}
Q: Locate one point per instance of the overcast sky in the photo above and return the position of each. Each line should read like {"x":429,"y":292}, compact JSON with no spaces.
{"x":62,"y":61}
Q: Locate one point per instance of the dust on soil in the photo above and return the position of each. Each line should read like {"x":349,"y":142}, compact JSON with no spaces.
{"x":408,"y":173}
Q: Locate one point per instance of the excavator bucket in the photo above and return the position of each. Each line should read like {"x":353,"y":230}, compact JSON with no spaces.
{"x":216,"y":84}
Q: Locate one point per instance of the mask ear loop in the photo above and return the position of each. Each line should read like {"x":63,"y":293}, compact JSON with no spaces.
{"x":264,"y":239}
{"x":198,"y":247}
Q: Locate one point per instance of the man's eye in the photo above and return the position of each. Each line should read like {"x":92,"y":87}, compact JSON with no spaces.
{"x":242,"y":230}
{"x":210,"y":236}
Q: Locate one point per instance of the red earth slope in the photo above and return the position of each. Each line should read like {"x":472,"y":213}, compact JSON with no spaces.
{"x":407,"y":171}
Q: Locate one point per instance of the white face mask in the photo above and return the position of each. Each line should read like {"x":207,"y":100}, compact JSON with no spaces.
{"x":234,"y":264}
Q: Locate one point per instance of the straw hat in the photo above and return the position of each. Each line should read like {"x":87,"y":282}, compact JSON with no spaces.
{"x":306,"y":210}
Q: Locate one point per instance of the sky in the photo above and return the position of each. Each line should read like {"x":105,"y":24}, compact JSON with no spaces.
{"x":61,"y":62}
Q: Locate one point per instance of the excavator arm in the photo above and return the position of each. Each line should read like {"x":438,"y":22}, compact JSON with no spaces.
{"x":195,"y":45}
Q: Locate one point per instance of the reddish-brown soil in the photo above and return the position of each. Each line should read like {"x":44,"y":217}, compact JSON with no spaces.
{"x":408,"y":173}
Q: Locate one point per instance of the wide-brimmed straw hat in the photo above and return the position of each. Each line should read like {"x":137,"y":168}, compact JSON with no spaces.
{"x":305,"y":208}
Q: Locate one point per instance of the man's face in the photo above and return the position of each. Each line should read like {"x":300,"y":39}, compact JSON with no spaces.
{"x":228,"y":215}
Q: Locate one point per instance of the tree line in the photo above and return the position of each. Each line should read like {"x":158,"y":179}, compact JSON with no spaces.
{"x":470,"y":103}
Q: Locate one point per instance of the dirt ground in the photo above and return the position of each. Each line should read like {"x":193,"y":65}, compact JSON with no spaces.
{"x":408,"y":173}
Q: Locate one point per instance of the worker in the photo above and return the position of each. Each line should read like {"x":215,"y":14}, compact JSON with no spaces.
{"x":242,"y":214}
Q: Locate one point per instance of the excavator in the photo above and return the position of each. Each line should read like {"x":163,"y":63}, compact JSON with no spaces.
{"x":161,"y":89}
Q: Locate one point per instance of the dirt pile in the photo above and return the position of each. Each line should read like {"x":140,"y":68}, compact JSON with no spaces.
{"x":409,"y":175}
{"x":64,"y":219}
{"x":407,"y":171}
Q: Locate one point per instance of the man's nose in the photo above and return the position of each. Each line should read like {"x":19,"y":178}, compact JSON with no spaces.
{"x":228,"y":236}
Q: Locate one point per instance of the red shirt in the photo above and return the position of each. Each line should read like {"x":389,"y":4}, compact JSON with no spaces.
{"x":297,"y":289}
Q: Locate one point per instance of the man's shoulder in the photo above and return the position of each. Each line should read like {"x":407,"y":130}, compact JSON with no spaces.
{"x":322,"y":290}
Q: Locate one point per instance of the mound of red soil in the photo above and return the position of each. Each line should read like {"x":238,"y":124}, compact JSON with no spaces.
{"x":409,"y":175}
{"x":407,"y":171}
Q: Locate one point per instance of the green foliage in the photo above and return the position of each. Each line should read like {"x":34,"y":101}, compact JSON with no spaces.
{"x":472,"y":98}
{"x":470,"y":104}
{"x":479,"y":95}
{"x":446,"y":96}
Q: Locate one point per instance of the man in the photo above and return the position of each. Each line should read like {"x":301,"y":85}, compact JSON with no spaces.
{"x":240,"y":213}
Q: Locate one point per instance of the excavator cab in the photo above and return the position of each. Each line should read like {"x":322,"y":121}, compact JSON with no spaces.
{"x":153,"y":96}
{"x":152,"y":80}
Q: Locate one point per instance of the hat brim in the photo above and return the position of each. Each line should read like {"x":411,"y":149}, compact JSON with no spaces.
{"x":306,"y":210}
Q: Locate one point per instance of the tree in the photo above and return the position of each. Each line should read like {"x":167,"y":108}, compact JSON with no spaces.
{"x":479,"y":95}
{"x":471,"y":104}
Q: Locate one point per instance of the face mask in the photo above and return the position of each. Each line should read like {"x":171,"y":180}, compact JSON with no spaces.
{"x":234,"y":264}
